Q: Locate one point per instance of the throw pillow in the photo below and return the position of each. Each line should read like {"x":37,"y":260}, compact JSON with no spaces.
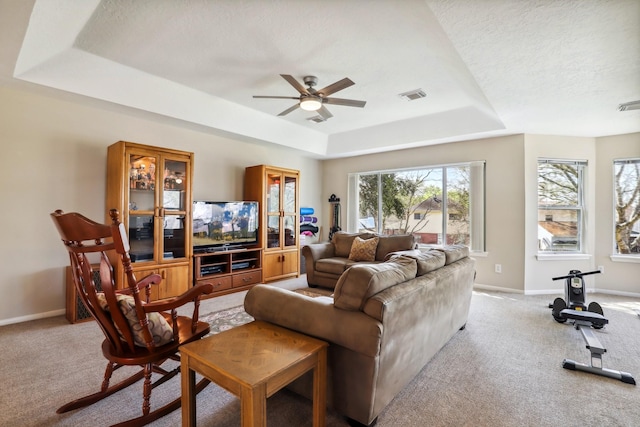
{"x":161,"y":331}
{"x":363,"y":249}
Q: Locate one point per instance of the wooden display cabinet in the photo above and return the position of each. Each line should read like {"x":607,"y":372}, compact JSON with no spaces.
{"x":277,"y":190}
{"x":151,"y":188}
{"x":228,"y":271}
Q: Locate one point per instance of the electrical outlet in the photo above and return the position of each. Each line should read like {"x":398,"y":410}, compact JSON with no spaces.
{"x":601,"y":268}
{"x":498,"y":268}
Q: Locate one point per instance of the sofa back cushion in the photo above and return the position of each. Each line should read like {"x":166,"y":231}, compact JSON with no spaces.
{"x":343,"y":241}
{"x":454,"y":252}
{"x":361,"y":281}
{"x":392,"y":243}
{"x":426,"y":260}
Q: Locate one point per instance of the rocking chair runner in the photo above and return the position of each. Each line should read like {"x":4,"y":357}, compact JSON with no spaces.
{"x":137,"y":332}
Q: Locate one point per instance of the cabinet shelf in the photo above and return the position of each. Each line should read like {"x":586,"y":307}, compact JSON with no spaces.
{"x":229,"y":271}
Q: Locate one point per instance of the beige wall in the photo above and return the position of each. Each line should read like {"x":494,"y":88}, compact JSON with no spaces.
{"x":511,"y":211}
{"x":623,"y":277}
{"x":504,"y":195}
{"x":539,"y":272}
{"x":618,"y":277}
{"x":54,"y":157}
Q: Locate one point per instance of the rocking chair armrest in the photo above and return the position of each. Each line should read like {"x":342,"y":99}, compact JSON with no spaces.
{"x":191,"y":295}
{"x":152,"y":279}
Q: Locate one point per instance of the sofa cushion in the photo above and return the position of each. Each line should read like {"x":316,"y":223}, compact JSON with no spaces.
{"x":361,"y":281}
{"x":333,"y":265}
{"x":161,"y":331}
{"x":343,"y":241}
{"x":427,"y":260}
{"x":392,"y":243}
{"x":364,"y":249}
{"x":454,"y":252}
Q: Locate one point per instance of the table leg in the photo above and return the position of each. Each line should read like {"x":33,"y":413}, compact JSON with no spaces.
{"x":320,"y":389}
{"x":188,"y":385}
{"x":253,"y":406}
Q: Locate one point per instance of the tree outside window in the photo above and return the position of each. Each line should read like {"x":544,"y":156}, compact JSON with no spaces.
{"x":627,"y":206}
{"x":429,"y":203}
{"x":560,"y":206}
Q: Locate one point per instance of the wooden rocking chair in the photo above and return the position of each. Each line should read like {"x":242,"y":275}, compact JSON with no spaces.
{"x":138,"y":332}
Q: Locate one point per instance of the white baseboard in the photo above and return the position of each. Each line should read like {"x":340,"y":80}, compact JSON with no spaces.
{"x":37,"y":316}
{"x":496,"y":288}
{"x":620,"y":293}
{"x":554,"y":291}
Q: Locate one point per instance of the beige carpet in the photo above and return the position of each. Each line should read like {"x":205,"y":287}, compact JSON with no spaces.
{"x":504,"y":369}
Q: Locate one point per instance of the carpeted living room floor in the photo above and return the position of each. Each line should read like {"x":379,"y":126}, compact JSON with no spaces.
{"x":504,"y":369}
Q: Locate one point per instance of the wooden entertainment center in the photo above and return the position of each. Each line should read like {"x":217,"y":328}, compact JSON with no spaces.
{"x":228,"y":270}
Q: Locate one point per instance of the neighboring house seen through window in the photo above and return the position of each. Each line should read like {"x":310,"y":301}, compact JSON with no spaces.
{"x":560,"y":206}
{"x":441,"y":205}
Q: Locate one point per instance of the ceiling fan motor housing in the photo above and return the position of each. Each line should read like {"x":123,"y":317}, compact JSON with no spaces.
{"x":310,"y":81}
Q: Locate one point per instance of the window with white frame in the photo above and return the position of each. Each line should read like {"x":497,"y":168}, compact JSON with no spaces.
{"x":560,"y":206}
{"x":626,"y":192}
{"x":437,"y":204}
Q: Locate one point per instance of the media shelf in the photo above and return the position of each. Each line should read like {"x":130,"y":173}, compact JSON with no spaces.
{"x":228,"y":270}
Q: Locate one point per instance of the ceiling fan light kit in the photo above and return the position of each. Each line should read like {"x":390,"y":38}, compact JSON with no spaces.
{"x":311,"y":103}
{"x":313,"y":100}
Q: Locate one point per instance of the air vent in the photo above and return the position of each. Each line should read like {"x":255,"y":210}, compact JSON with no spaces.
{"x":316,"y":119}
{"x":412,"y":95}
{"x":633,"y":105}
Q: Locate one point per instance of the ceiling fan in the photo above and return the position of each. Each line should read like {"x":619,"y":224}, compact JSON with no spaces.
{"x":313,"y":100}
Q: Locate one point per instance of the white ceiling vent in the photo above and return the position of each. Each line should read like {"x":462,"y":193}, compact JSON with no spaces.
{"x":412,"y":95}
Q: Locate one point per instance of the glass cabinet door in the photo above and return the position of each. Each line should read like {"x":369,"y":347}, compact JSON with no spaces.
{"x":142,"y":189}
{"x":289,"y":208}
{"x":273,"y":209}
{"x":157,"y":207}
{"x":173,"y":208}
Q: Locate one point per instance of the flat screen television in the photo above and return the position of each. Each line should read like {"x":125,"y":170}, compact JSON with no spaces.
{"x":224,"y":225}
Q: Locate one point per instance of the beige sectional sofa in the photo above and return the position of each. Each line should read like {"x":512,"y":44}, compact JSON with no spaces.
{"x":385,"y":321}
{"x":325,"y":262}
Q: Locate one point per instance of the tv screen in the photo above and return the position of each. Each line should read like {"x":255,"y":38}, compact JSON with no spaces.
{"x":224,"y":225}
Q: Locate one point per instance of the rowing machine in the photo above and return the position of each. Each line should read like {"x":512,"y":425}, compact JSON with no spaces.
{"x":583,"y":321}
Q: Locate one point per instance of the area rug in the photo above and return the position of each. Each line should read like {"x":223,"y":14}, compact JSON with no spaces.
{"x":226,"y":319}
{"x":235,"y":316}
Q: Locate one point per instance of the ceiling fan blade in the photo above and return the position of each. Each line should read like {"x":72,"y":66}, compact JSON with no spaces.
{"x":290,"y":109}
{"x":335,"y":87}
{"x":293,"y":82}
{"x":324,"y":113}
{"x":276,"y":97}
{"x":346,"y":102}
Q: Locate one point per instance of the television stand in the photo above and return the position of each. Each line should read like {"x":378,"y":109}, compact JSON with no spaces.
{"x":228,"y":270}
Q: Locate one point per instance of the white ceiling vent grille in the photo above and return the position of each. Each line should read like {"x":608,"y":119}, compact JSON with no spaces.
{"x":412,"y":95}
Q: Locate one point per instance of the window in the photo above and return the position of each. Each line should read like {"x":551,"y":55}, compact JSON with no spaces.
{"x":438,"y":205}
{"x":560,"y":206}
{"x":626,"y":181}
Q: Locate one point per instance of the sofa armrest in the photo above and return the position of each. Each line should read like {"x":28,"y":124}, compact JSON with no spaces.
{"x":316,"y":317}
{"x":313,"y":253}
{"x":316,"y":251}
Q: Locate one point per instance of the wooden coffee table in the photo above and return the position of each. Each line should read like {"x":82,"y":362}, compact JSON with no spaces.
{"x":254,"y":361}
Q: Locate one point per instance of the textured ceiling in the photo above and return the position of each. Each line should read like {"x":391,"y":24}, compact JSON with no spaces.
{"x":490,"y":67}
